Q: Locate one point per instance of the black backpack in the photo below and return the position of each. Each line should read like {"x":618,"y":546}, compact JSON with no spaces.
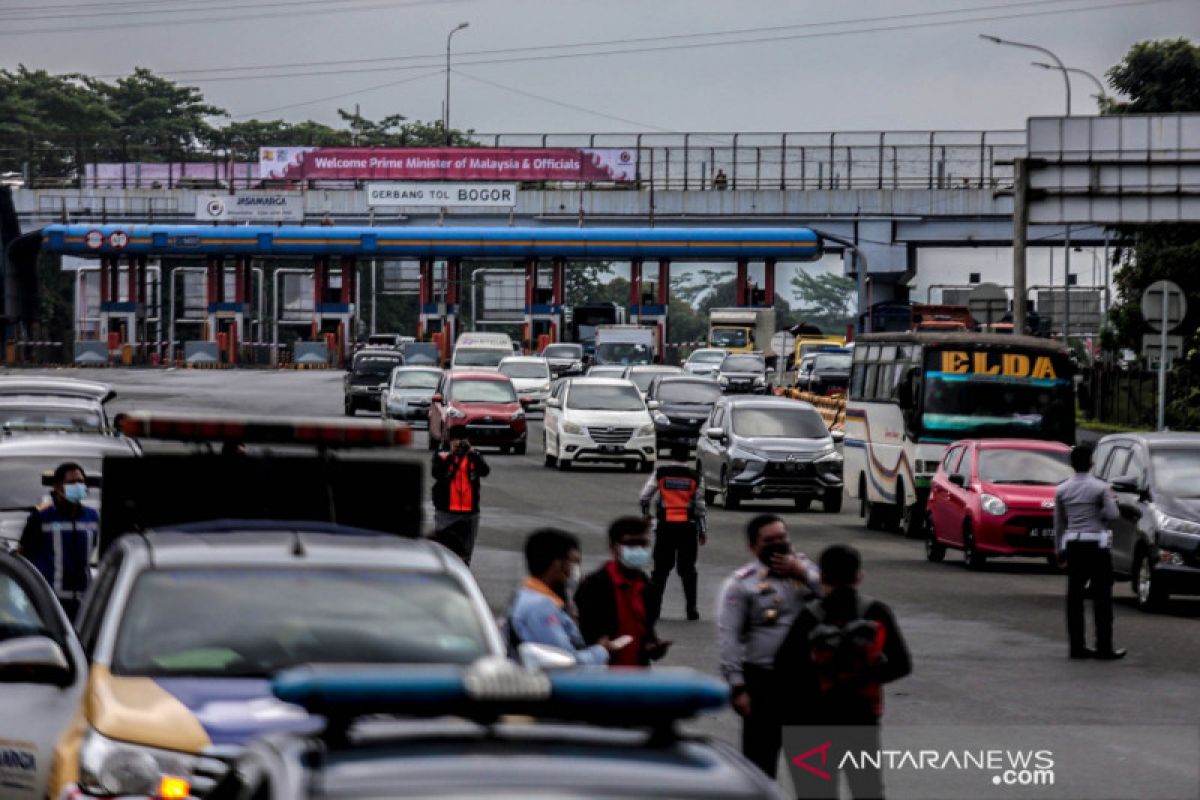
{"x":845,"y":656}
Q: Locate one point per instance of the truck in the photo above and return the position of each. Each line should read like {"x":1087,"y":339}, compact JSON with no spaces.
{"x":625,"y":344}
{"x":899,"y":317}
{"x":742,"y":330}
{"x":586,"y":318}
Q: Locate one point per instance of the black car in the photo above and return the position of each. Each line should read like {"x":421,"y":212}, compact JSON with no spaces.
{"x":743,"y":373}
{"x":367,"y":378}
{"x":495,"y":729}
{"x":828,"y":373}
{"x":683,"y":403}
{"x":1156,"y":540}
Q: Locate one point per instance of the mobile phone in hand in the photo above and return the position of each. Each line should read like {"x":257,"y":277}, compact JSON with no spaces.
{"x":622,"y":642}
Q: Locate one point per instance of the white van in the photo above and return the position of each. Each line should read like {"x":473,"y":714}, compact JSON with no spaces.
{"x":475,"y":350}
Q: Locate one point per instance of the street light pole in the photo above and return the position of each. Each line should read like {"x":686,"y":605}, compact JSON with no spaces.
{"x":1101,"y":92}
{"x":446,"y":106}
{"x":1057,"y":61}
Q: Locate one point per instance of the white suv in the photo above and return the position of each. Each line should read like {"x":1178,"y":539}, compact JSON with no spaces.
{"x":531,"y":378}
{"x":598,"y":419}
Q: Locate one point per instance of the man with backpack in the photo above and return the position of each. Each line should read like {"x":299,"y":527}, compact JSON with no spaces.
{"x":841,"y":650}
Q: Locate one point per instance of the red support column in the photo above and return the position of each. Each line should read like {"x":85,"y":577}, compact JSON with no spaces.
{"x":557,"y":286}
{"x":424,"y":294}
{"x":114,"y":280}
{"x":531,"y":275}
{"x":213,"y":295}
{"x":348,"y":274}
{"x":664,"y":298}
{"x":635,"y":289}
{"x":105,"y":270}
{"x":239,"y":287}
{"x":769,"y":283}
{"x":453,"y":270}
{"x":743,"y":280}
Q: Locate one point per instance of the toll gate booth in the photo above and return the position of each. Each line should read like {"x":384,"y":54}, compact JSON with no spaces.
{"x":648,"y":304}
{"x":544,"y":287}
{"x":335,"y":304}
{"x":118,"y":310}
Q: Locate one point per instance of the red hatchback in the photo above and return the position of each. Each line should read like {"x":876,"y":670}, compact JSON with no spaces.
{"x":485,"y":403}
{"x":995,"y":498}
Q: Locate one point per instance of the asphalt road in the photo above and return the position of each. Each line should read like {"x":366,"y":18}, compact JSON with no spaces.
{"x":988,"y":647}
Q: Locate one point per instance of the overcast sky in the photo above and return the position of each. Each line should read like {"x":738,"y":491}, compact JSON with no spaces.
{"x":922,"y":73}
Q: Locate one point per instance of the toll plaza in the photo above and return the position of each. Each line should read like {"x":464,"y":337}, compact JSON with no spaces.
{"x":328,"y":259}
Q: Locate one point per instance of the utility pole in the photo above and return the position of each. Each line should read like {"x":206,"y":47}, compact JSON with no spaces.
{"x":1020,"y":225}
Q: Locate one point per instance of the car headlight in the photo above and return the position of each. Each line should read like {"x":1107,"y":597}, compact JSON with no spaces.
{"x":572,"y":428}
{"x":992,"y":505}
{"x":742,"y":457}
{"x":646,"y":430}
{"x":517,"y":415}
{"x":724,"y":381}
{"x":828,"y":456}
{"x":109,"y":767}
{"x":661,"y":418}
{"x":760,"y":380}
{"x":454,"y":413}
{"x":1166,"y":522}
{"x":576,"y":365}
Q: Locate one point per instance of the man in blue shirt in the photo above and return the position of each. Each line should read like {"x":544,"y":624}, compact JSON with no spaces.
{"x":539,"y":613}
{"x":59,"y":536}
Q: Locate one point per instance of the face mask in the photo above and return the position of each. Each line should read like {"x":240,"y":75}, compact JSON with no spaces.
{"x":773,"y":549}
{"x":575,"y":575}
{"x":637,"y":558}
{"x":75,"y":492}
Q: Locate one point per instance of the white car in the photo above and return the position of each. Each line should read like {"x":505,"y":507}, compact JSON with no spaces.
{"x":705,"y":361}
{"x":642,"y":374}
{"x":530,"y":376}
{"x":598,"y":419}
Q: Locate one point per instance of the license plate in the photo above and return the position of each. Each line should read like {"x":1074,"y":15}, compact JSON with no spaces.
{"x":1041,"y":533}
{"x":611,"y":448}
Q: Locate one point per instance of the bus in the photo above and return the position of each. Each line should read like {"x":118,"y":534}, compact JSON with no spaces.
{"x":585,"y":319}
{"x":912,"y":394}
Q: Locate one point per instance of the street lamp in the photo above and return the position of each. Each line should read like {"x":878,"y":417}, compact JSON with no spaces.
{"x":1058,"y":62}
{"x":1102,"y":94}
{"x":446,"y":107}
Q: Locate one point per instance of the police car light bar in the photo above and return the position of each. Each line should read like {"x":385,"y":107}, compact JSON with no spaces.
{"x":627,"y":697}
{"x":264,"y":430}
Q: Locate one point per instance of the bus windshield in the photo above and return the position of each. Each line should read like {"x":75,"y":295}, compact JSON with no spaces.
{"x":992,"y":394}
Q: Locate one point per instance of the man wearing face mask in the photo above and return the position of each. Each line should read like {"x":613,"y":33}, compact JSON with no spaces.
{"x":539,"y":612}
{"x":676,"y":492}
{"x":59,"y":536}
{"x":758,"y":605}
{"x":617,"y":600}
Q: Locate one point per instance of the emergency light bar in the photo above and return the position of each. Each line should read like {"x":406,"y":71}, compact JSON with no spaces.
{"x":486,"y":690}
{"x":263,"y":430}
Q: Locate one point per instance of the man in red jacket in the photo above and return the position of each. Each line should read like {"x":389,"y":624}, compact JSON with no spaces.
{"x":618,"y":600}
{"x":456,"y":472}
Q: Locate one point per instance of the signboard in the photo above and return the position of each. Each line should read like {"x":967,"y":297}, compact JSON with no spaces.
{"x":1085,"y":309}
{"x":250,"y":207}
{"x":1157,"y":295}
{"x":1152,"y":349}
{"x":592,"y":164}
{"x":988,"y":303}
{"x":493,"y":195}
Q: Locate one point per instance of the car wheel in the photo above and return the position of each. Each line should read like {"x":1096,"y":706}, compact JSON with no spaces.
{"x":802,"y":503}
{"x":832,"y":501}
{"x":710,"y":496}
{"x":631,"y":466}
{"x":520,"y":449}
{"x":549,"y":459}
{"x":972,"y":558}
{"x":731,"y":499}
{"x":935,"y":551}
{"x":1147,"y":589}
{"x":349,"y":409}
{"x":871,"y":514}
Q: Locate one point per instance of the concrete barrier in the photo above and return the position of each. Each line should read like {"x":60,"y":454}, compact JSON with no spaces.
{"x":91,"y":353}
{"x":309,"y":355}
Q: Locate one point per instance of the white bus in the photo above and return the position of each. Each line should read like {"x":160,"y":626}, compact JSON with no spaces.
{"x":912,"y":394}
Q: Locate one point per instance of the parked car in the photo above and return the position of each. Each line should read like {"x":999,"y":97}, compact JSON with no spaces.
{"x":641,"y":375}
{"x":408,"y":393}
{"x":485,"y":403}
{"x":995,"y":498}
{"x":679,"y":405}
{"x":1156,"y":540}
{"x":827,"y":373}
{"x":743,"y":373}
{"x":54,"y":404}
{"x":367,"y":376}
{"x":706,"y":361}
{"x":769,"y":447}
{"x":531,"y":377}
{"x":598,"y":419}
{"x":564,"y":358}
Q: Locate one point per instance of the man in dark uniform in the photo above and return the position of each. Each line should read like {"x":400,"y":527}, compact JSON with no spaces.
{"x":1083,"y":507}
{"x":456,"y":473}
{"x":677,"y":493}
{"x":59,"y":536}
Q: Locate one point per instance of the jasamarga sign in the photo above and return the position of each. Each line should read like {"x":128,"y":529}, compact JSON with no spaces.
{"x":251,"y":207}
{"x":495,"y":195}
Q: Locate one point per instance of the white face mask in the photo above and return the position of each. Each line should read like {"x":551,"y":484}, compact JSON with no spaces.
{"x":576,"y":574}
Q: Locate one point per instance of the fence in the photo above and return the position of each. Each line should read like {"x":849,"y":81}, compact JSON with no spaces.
{"x":675,"y":161}
{"x":1130,"y":397}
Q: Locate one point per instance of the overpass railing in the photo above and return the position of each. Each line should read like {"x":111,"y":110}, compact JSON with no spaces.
{"x":665,"y":161}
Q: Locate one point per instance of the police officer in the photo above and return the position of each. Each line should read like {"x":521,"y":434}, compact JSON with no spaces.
{"x":59,"y":536}
{"x":677,"y":493}
{"x":758,"y":605}
{"x":456,"y":472}
{"x":1083,"y":505}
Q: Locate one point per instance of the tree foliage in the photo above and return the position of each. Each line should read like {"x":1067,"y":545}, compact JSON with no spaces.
{"x":826,"y":300}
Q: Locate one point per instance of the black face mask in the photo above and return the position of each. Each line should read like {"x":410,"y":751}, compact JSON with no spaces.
{"x":773,"y":549}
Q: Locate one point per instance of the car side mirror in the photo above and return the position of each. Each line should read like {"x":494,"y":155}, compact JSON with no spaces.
{"x":716,"y":434}
{"x":837,"y":436}
{"x":1127,"y":484}
{"x":437,"y":398}
{"x":524,"y":401}
{"x":544,"y":657}
{"x":33,"y":659}
{"x":959,"y":480}
{"x":553,"y":402}
{"x":652,"y":405}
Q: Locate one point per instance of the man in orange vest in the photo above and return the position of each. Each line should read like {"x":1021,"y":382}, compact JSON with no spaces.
{"x":456,"y":472}
{"x":677,"y":493}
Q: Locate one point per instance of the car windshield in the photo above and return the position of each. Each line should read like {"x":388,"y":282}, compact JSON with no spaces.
{"x":21,"y":478}
{"x":728,"y":337}
{"x":688,"y":392}
{"x":1175,"y":471}
{"x":643,"y":378}
{"x":194,"y":621}
{"x":707,"y":357}
{"x":479,"y":357}
{"x":563,"y":351}
{"x":614,"y":397}
{"x":42,"y":417}
{"x":614,"y":372}
{"x":380,"y":366}
{"x":526,"y":369}
{"x":1026,"y":467}
{"x":416,"y":379}
{"x":835,"y":361}
{"x":743,"y":364}
{"x":468,"y":391}
{"x":421,"y":353}
{"x":789,"y":423}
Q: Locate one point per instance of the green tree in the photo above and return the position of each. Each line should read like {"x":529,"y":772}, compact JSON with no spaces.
{"x":50,"y":122}
{"x":158,"y":120}
{"x":395,"y":130}
{"x":1160,"y":77}
{"x":827,"y":300}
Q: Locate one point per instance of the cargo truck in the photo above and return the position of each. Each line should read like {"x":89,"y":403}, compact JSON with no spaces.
{"x":742,"y":330}
{"x":625,"y":344}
